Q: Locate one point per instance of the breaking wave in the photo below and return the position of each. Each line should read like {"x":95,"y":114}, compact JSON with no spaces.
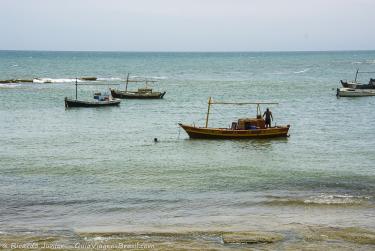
{"x":110,"y":79}
{"x":370,"y":61}
{"x":149,"y":77}
{"x":303,"y":71}
{"x":55,"y":80}
{"x":73,"y":80}
{"x":9,"y":85}
{"x":320,"y":200}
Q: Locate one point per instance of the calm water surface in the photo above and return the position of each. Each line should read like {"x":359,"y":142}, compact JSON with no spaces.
{"x":81,"y":170}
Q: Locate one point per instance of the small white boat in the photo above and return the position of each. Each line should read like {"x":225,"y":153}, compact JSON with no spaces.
{"x":351,"y":92}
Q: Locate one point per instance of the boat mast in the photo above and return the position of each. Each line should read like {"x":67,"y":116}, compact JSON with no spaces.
{"x":259,"y":113}
{"x":356,"y":74}
{"x":208,"y":111}
{"x":76,"y":88}
{"x":127,"y":81}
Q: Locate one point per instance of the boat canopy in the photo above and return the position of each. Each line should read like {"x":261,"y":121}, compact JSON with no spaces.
{"x":259,"y":115}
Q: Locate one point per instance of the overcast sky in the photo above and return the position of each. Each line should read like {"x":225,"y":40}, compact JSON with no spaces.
{"x":187,"y":25}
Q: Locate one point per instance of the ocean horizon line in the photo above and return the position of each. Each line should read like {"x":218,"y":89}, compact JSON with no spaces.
{"x":162,"y":51}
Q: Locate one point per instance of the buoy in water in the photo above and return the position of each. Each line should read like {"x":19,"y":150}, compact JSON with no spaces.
{"x":155,"y":140}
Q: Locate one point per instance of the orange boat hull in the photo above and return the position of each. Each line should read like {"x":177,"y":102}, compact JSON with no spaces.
{"x":224,"y":133}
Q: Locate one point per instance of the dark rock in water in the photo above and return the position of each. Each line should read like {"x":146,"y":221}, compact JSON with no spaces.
{"x":6,"y":81}
{"x":251,"y":237}
{"x":10,"y":81}
{"x":89,"y":78}
{"x":24,"y":80}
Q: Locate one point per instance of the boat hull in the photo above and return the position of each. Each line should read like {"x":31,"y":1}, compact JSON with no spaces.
{"x":224,"y":133}
{"x":80,"y":103}
{"x":350,"y":92}
{"x":135,"y":95}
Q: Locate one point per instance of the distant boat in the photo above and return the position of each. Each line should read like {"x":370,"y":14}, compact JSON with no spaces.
{"x":354,"y":92}
{"x":355,"y":85}
{"x":99,"y":100}
{"x":141,"y":93}
{"x":89,"y":78}
{"x":90,"y":103}
{"x":246,"y":128}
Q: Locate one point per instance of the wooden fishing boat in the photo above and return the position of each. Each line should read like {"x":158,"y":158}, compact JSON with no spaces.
{"x":244,"y":128}
{"x":141,"y":93}
{"x":99,"y":100}
{"x":356,"y":85}
{"x":354,"y":92}
{"x":88,"y":103}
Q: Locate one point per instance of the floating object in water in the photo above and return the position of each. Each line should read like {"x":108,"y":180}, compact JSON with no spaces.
{"x":141,"y":93}
{"x":155,"y":140}
{"x":99,"y":100}
{"x":89,"y":78}
{"x":88,"y":103}
{"x":246,"y":128}
{"x":351,"y":92}
{"x":355,"y":85}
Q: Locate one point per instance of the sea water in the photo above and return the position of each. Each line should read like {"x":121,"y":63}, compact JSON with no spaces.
{"x":68,"y":172}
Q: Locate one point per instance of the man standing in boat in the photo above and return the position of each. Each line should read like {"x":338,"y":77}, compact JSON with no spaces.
{"x":268,"y":115}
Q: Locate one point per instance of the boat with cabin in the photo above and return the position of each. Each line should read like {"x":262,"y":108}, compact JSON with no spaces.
{"x":142,"y":93}
{"x":356,"y":85}
{"x":99,"y":100}
{"x":243,"y":128}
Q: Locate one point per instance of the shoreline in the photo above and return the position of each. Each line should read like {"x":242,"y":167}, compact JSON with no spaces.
{"x":291,"y":238}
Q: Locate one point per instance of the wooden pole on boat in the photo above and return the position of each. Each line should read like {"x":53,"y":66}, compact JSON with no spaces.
{"x":259,"y":113}
{"x":356,"y":74}
{"x":76,"y":88}
{"x":208,"y":111}
{"x":211,"y":102}
{"x":127,"y":81}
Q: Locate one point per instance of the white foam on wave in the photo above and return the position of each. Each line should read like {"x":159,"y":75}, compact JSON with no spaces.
{"x":149,"y":77}
{"x":55,"y":80}
{"x":329,"y":199}
{"x":279,"y":73}
{"x":9,"y":85}
{"x":303,"y":71}
{"x":110,"y":79}
{"x":98,"y":238}
{"x":369,"y":61}
{"x":158,"y":77}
